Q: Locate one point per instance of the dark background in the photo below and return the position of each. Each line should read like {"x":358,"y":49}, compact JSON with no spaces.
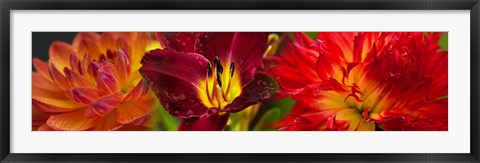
{"x":41,"y":42}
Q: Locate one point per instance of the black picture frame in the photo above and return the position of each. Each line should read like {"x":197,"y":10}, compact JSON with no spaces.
{"x":5,"y":72}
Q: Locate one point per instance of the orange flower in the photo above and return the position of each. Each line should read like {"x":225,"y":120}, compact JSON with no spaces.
{"x":93,"y":84}
{"x":364,"y":81}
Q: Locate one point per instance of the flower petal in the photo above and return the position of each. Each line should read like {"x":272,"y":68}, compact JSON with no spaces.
{"x":55,"y":105}
{"x":180,"y":41}
{"x":71,"y":121}
{"x":107,"y":123}
{"x":42,"y":68}
{"x":75,"y":79}
{"x":136,"y":109}
{"x":44,"y":87}
{"x":58,"y":77}
{"x":104,"y":105}
{"x":244,"y":48}
{"x":106,"y":78}
{"x":138,"y":91}
{"x":215,"y":122}
{"x":83,"y":95}
{"x":38,"y":118}
{"x":261,"y":88}
{"x":44,"y":128}
{"x":89,"y":47}
{"x":59,"y":54}
{"x":123,"y":66}
{"x":84,"y":36}
{"x":174,"y":77}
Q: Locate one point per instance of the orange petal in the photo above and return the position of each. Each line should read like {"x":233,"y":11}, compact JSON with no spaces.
{"x":38,"y":118}
{"x":139,"y":90}
{"x":58,"y":77}
{"x":108,"y":123}
{"x":71,"y":121}
{"x":83,"y":94}
{"x":139,"y":49}
{"x":122,"y":43}
{"x":89,"y":47}
{"x":45,"y":88}
{"x":44,"y":128}
{"x":133,"y":110}
{"x":104,"y":105}
{"x":75,"y":79}
{"x":106,"y":78}
{"x":107,"y":41}
{"x":123,"y":66}
{"x":42,"y":68}
{"x":59,"y":54}
{"x":54,"y":105}
{"x":84,"y":36}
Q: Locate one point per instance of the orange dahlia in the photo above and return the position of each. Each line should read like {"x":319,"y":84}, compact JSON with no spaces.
{"x":93,"y":83}
{"x":364,"y":81}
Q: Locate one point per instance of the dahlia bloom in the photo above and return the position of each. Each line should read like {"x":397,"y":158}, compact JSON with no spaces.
{"x":92,"y":84}
{"x":364,"y":81}
{"x":204,"y":77}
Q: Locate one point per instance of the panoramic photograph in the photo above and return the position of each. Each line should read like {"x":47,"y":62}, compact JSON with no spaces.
{"x":240,"y":81}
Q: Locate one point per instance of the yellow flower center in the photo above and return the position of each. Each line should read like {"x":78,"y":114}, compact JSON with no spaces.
{"x":222,"y":85}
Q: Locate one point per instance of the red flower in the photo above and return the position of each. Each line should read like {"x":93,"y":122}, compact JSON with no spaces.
{"x":203,"y":77}
{"x":364,"y":81}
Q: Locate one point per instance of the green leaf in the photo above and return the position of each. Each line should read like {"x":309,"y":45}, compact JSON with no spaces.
{"x":271,"y":116}
{"x":312,"y":34}
{"x":285,"y":105}
{"x":443,"y":42}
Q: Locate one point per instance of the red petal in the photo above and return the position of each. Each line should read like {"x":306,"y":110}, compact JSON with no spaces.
{"x":261,"y":88}
{"x":180,"y":41}
{"x":174,"y":77}
{"x":213,"y":122}
{"x":245,"y":48}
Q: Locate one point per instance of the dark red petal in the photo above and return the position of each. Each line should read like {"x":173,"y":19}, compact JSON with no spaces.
{"x":180,"y":41}
{"x":174,"y":77}
{"x":259,"y":89}
{"x":245,"y":48}
{"x":215,"y":122}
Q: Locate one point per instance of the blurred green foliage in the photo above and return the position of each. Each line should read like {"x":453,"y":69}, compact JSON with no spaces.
{"x":443,"y":42}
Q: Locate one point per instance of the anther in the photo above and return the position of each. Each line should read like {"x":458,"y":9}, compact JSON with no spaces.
{"x":219,"y":68}
{"x":216,"y":61}
{"x":232,"y":69}
{"x":219,"y":80}
{"x":209,"y":69}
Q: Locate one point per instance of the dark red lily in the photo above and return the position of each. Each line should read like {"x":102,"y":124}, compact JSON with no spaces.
{"x":204,"y":77}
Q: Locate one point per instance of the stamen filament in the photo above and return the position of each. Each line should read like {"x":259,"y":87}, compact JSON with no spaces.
{"x":224,"y":95}
{"x":209,"y":73}
{"x":219,"y":102}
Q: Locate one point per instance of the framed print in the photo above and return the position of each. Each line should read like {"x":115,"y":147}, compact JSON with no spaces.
{"x":248,"y":81}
